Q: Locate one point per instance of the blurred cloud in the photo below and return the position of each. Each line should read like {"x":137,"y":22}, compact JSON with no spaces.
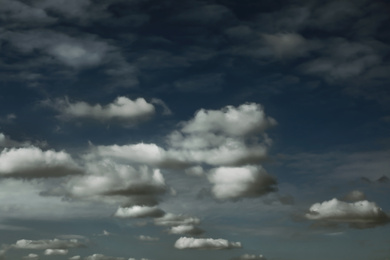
{"x":205,"y":243}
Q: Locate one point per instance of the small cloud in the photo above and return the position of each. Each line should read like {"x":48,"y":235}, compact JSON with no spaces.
{"x":103,"y":257}
{"x":31,"y":257}
{"x":250,"y":257}
{"x":185,"y":230}
{"x":56,"y":252}
{"x":170,"y":219}
{"x":47,"y":244}
{"x":286,"y":45}
{"x":148,"y":238}
{"x":139,"y":212}
{"x":205,"y":243}
{"x":360,"y":214}
{"x":122,"y":109}
{"x":76,"y":257}
{"x":233,"y":183}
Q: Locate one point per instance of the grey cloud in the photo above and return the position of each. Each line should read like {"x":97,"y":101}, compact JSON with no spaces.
{"x":250,"y":257}
{"x":32,"y":162}
{"x":205,"y":14}
{"x":47,"y":244}
{"x":31,"y":256}
{"x":286,"y":45}
{"x":203,"y":83}
{"x":6,"y":141}
{"x":148,"y":238}
{"x":102,"y":257}
{"x":354,"y":195}
{"x":76,"y":257}
{"x":170,"y":219}
{"x":205,"y":243}
{"x":56,"y":252}
{"x":360,"y":214}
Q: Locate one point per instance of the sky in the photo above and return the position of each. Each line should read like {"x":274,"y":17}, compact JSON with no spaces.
{"x":194,"y":129}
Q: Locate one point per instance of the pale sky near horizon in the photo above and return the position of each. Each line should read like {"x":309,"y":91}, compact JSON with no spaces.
{"x":170,"y":130}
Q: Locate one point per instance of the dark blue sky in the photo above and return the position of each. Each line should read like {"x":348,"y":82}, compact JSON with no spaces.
{"x":145,"y":129}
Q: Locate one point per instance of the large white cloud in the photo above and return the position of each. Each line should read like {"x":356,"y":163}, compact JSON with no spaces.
{"x":239,"y":182}
{"x":205,"y":243}
{"x":32,"y":162}
{"x":360,"y":214}
{"x":121,"y":109}
{"x":117,"y":183}
{"x":243,"y":120}
{"x":139,"y":212}
{"x":47,"y":244}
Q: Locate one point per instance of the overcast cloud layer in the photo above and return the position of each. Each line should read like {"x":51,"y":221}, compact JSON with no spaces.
{"x":191,"y":129}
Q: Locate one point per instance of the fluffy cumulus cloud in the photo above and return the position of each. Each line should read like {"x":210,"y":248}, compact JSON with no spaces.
{"x":185,"y":230}
{"x":239,"y":182}
{"x":32,"y":162}
{"x":205,"y":243}
{"x":47,"y":244}
{"x":243,"y":120}
{"x":56,"y":252}
{"x":121,"y":109}
{"x":114,"y":183}
{"x":139,"y":212}
{"x":360,"y":214}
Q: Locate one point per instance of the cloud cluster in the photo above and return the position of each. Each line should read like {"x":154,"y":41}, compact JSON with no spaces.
{"x":240,"y":182}
{"x":122,"y":109}
{"x":205,"y":243}
{"x":32,"y":162}
{"x":360,"y":214}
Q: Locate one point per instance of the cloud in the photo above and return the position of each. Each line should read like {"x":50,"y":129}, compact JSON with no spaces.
{"x":148,"y":238}
{"x":32,"y":162}
{"x":47,"y":244}
{"x":185,"y":230}
{"x":205,"y":83}
{"x":205,"y":243}
{"x":250,"y":257}
{"x":76,"y":257}
{"x":170,"y":219}
{"x":122,"y":109}
{"x":139,"y":212}
{"x":31,"y":256}
{"x":205,"y":14}
{"x":56,"y":252}
{"x":108,"y":181}
{"x":240,"y":182}
{"x":354,"y":195}
{"x":102,"y":257}
{"x":6,"y":141}
{"x":286,"y":45}
{"x":243,"y":120}
{"x":360,"y":214}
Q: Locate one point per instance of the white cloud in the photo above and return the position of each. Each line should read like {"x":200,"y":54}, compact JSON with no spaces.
{"x":76,"y":257}
{"x":239,"y":182}
{"x":139,"y":212}
{"x":111,"y":182}
{"x":170,"y":219}
{"x":185,"y":230}
{"x":122,"y":109}
{"x":243,"y":120}
{"x":56,"y":252}
{"x":148,"y":238}
{"x":47,"y":244}
{"x":32,"y":162}
{"x":205,"y":243}
{"x":360,"y":214}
